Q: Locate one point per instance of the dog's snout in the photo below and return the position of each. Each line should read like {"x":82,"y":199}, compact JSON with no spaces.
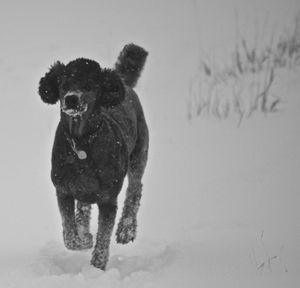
{"x":72,"y":101}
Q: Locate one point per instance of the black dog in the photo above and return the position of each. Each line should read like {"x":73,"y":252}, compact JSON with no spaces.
{"x":102,"y":136}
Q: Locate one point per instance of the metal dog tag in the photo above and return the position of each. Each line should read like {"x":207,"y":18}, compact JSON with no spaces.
{"x":81,"y":155}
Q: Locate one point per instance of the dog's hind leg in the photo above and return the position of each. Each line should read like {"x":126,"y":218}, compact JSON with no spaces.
{"x":82,"y":218}
{"x":127,"y":226}
{"x":126,"y":230}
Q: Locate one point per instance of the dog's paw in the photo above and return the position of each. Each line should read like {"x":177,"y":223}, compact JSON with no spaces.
{"x":86,"y":241}
{"x":75,"y":242}
{"x":100,"y":259}
{"x":126,"y":231}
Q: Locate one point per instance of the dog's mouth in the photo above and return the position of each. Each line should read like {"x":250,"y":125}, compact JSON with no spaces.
{"x":76,"y":112}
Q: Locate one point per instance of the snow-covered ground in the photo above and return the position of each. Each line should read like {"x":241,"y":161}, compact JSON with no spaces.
{"x":220,"y":206}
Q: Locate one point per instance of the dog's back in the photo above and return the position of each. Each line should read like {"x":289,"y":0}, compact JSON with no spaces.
{"x":129,"y":114}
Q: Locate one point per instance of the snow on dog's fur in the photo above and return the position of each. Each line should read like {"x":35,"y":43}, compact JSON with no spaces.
{"x":102,"y":136}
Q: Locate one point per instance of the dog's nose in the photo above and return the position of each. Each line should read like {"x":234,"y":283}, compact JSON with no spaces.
{"x":72,"y":101}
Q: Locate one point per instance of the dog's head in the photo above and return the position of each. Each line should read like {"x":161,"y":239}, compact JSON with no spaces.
{"x":81,"y":86}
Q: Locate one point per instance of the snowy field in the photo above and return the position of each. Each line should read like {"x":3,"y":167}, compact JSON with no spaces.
{"x":220,"y":204}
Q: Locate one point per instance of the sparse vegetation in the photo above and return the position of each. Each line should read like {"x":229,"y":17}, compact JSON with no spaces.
{"x":263,"y":260}
{"x":244,"y":86}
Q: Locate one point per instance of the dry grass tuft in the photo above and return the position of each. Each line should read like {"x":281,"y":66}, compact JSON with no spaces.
{"x":244,"y":86}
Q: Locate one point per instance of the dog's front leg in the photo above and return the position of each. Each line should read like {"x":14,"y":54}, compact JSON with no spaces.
{"x":82,"y":219}
{"x":106,"y":220}
{"x":66,"y":204}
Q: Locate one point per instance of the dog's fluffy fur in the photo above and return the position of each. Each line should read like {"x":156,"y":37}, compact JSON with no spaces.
{"x":93,"y":152}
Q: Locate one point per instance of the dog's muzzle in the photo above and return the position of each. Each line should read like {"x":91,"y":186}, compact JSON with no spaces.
{"x":72,"y":104}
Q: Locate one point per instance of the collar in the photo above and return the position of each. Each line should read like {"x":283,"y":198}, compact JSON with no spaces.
{"x":83,"y":141}
{"x":75,"y":144}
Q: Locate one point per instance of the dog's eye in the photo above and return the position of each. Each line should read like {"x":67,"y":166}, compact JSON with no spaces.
{"x":88,"y":86}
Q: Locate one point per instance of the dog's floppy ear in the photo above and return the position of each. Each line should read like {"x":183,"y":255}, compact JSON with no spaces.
{"x":49,"y":84}
{"x":112,"y":89}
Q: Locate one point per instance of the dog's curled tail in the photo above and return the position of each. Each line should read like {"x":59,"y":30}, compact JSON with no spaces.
{"x":130,"y":63}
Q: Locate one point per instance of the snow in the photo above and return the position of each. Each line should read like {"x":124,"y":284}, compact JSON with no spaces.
{"x":220,"y":205}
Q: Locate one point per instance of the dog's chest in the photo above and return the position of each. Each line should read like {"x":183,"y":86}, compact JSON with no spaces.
{"x":75,"y":176}
{"x":105,"y":165}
